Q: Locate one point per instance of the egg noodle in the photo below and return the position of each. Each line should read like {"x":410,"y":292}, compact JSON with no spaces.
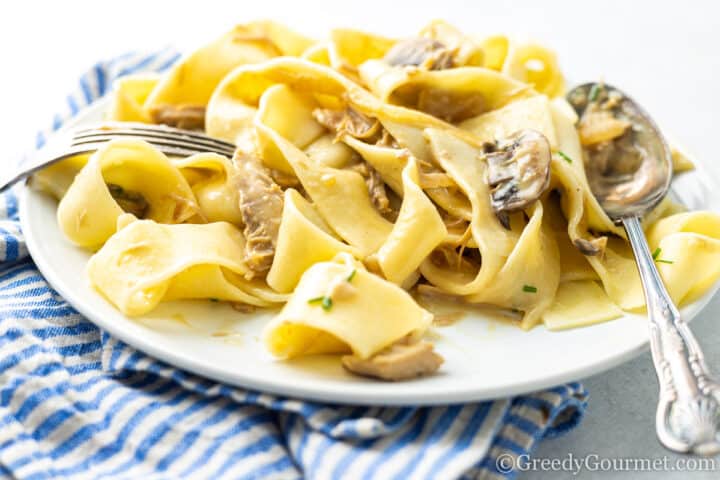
{"x":370,"y":173}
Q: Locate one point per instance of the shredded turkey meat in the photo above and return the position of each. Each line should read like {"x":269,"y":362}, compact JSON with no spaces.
{"x":189,"y":117}
{"x":261,"y":205}
{"x":400,"y":361}
{"x":351,"y":122}
{"x":185,"y":209}
{"x":387,"y":140}
{"x":375,"y":186}
{"x":348,"y":121}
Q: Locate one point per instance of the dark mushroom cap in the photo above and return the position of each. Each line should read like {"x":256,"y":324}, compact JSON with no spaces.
{"x":518,"y":170}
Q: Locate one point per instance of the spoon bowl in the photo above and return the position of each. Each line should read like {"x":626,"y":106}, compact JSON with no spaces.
{"x":625,"y":185}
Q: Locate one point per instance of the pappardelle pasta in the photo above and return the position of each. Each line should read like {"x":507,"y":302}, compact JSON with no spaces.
{"x":372,"y":175}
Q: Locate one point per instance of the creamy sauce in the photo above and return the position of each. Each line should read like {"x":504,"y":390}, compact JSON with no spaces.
{"x":179,"y":317}
{"x":449,"y":310}
{"x":446,"y":319}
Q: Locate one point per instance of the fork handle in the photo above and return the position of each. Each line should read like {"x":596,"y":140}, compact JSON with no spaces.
{"x":42,"y":159}
{"x":688,"y":412}
{"x":47,"y":156}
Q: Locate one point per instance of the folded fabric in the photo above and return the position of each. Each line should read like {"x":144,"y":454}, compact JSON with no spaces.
{"x":77,"y":403}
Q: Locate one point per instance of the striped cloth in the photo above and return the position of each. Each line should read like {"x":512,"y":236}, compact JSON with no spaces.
{"x":77,"y":403}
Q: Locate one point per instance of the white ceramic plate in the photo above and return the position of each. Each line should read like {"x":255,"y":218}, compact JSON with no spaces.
{"x":484,"y":358}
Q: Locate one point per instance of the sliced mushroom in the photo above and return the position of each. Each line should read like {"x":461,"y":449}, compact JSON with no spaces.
{"x":518,"y":171}
{"x":261,"y":205}
{"x":420,"y":52}
{"x":591,"y":248}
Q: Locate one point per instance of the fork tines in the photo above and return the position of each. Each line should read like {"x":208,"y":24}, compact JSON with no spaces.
{"x":159,"y":135}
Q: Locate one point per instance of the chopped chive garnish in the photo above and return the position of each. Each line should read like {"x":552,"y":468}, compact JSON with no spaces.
{"x":352,"y":275}
{"x":326,"y":303}
{"x":657,"y":253}
{"x":594,"y":92}
{"x":565,"y":157}
{"x":529,"y":289}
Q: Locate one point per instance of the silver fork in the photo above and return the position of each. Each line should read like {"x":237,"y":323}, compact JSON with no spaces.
{"x":169,"y":140}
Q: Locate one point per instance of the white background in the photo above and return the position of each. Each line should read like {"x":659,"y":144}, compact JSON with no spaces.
{"x":664,"y":53}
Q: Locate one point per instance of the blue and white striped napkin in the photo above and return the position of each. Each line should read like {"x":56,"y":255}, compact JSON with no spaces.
{"x":77,"y":403}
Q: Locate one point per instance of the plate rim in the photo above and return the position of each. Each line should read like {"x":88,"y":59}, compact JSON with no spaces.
{"x":477,"y":393}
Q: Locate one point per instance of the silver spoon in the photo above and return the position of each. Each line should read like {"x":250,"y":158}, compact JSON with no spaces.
{"x":629,"y":180}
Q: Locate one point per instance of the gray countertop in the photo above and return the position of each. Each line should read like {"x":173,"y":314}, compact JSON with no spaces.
{"x":620,"y":419}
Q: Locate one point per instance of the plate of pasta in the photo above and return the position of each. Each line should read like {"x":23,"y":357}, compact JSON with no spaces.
{"x":403,"y":221}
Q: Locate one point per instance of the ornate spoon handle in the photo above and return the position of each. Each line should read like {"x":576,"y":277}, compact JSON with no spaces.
{"x":688,"y":413}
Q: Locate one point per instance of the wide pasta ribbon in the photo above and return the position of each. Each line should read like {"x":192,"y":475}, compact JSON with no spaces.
{"x":535,"y":65}
{"x":278,"y":138}
{"x":416,"y":232}
{"x":340,"y":196}
{"x":146,"y":262}
{"x":687,"y":247}
{"x":461,"y":162}
{"x":356,"y":320}
{"x":454,"y":94}
{"x":130,"y":94}
{"x":210,"y":177}
{"x":348,"y":49}
{"x":304,"y":240}
{"x":192,"y":80}
{"x":123,"y":171}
